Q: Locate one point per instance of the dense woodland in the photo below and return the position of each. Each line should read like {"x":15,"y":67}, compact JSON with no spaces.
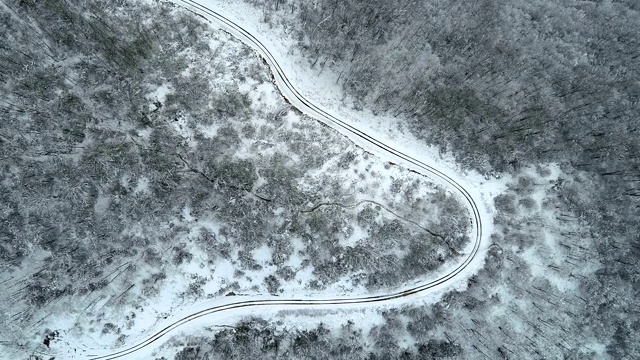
{"x":505,"y":84}
{"x":97,"y":174}
{"x":255,"y":338}
{"x":533,"y":299}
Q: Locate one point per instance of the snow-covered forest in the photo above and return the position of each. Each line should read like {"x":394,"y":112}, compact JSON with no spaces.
{"x":148,"y":163}
{"x":505,"y":86}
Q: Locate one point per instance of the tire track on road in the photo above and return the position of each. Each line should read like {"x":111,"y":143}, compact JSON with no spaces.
{"x":299,"y":101}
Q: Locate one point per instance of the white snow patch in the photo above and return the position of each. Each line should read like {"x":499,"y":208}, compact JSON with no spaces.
{"x":102,"y":204}
{"x":358,"y":234}
{"x":145,"y":133}
{"x":265,"y":95}
{"x":142,"y":187}
{"x":181,"y":126}
{"x":263,"y":255}
{"x":209,"y":131}
{"x":160,"y":93}
{"x":186,"y":215}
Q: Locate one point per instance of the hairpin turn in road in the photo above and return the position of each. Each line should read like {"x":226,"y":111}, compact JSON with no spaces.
{"x":291,"y":94}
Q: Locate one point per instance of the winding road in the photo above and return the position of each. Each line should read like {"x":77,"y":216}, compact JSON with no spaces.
{"x":460,"y":272}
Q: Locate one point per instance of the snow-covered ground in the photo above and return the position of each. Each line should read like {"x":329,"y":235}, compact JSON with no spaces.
{"x":322,"y":90}
{"x":170,"y":305}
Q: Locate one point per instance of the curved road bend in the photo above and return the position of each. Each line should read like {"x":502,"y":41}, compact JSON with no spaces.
{"x":296,"y":99}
